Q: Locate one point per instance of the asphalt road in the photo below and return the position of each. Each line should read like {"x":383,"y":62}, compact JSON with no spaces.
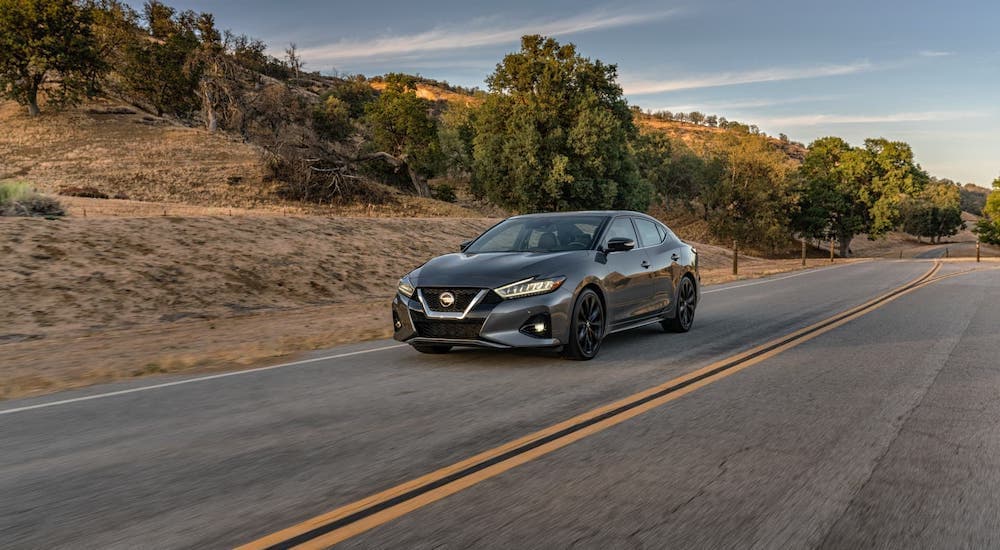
{"x":881,"y":432}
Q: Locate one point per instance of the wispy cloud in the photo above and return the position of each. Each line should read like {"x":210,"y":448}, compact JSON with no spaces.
{"x":645,"y":87}
{"x":723,"y":106}
{"x":475,"y":33}
{"x":935,"y":53}
{"x":821,"y":119}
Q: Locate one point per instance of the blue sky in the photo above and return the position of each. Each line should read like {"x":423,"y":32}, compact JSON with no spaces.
{"x":924,"y":72}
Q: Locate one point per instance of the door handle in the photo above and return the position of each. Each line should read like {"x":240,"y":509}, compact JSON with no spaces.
{"x":674,"y":257}
{"x":644,"y":264}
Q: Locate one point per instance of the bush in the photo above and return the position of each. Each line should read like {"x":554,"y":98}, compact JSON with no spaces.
{"x":444,"y":192}
{"x":86,"y":192}
{"x":19,"y":199}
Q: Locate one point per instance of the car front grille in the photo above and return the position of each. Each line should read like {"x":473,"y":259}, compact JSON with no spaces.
{"x":463,"y":297}
{"x":465,"y":329}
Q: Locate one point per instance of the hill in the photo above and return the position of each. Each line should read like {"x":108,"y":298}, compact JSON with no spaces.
{"x":704,"y":139}
{"x":114,"y":148}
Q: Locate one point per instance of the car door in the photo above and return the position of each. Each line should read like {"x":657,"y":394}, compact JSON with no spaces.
{"x":627,"y":280}
{"x":661,"y":257}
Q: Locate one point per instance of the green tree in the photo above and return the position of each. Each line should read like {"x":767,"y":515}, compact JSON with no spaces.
{"x":456,"y":134}
{"x":50,"y":45}
{"x":831,"y":204}
{"x":849,"y":190}
{"x":933,"y":213}
{"x":755,"y":199}
{"x":403,"y":132}
{"x":332,"y":119}
{"x":988,"y":227}
{"x":675,"y":172}
{"x":554,"y":133}
{"x":160,"y":69}
{"x":159,"y":19}
{"x":338,"y":109}
{"x":889,"y":174}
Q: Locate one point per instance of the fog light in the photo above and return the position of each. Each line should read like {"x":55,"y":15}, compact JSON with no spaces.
{"x":537,"y":326}
{"x":396,"y":323}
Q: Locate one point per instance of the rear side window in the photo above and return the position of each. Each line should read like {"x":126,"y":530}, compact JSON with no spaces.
{"x":668,"y":235}
{"x":622,"y":228}
{"x":648,"y":233}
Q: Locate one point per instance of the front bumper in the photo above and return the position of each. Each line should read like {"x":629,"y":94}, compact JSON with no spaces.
{"x":489,"y":324}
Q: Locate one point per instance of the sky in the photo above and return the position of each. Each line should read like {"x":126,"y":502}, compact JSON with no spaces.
{"x":927,"y":73}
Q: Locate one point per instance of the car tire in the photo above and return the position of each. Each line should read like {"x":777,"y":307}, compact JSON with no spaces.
{"x":425,"y":348}
{"x":586,"y":327}
{"x":684,"y":307}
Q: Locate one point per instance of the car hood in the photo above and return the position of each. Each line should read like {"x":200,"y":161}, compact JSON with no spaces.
{"x":490,"y":270}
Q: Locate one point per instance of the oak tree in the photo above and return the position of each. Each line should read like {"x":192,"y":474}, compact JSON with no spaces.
{"x":554,"y":133}
{"x":47,"y":45}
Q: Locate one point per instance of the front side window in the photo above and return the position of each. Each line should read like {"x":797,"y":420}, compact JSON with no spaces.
{"x":622,"y":228}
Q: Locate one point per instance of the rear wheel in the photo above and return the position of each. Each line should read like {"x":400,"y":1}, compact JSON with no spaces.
{"x":687,"y":301}
{"x":586,"y":328}
{"x":425,"y":348}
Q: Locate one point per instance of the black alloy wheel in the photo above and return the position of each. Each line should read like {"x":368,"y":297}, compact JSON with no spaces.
{"x":687,"y":301}
{"x":587,"y":328}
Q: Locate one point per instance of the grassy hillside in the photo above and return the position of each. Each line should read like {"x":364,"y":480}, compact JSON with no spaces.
{"x":139,"y":158}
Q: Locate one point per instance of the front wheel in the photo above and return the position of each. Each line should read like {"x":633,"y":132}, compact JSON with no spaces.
{"x":586,"y":328}
{"x":687,"y":300}
{"x":424,"y":348}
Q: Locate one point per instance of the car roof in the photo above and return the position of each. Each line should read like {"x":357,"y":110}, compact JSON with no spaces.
{"x":605,"y":213}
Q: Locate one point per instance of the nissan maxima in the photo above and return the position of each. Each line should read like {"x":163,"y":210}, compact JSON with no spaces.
{"x":560,"y":280}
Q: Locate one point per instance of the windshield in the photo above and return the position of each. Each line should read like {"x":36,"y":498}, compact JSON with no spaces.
{"x":542,"y":234}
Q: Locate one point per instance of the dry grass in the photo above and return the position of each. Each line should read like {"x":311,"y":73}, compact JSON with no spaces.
{"x":434,"y":93}
{"x":133,"y":154}
{"x":89,"y":275}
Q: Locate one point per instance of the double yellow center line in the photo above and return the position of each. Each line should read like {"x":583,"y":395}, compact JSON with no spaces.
{"x":348,"y":521}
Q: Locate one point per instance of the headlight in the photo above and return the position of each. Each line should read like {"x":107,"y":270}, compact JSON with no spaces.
{"x":405,"y":287}
{"x":529,"y":287}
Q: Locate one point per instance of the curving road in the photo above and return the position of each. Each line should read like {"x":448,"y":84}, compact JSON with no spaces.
{"x":877,"y":430}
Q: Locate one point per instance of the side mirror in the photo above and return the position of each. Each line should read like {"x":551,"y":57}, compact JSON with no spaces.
{"x":620,"y":244}
{"x":465,"y":245}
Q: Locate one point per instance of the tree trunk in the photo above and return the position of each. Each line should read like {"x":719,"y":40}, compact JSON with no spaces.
{"x":736,"y":258}
{"x":419,"y":183}
{"x":845,"y":245}
{"x":211,"y":120}
{"x":33,"y":101}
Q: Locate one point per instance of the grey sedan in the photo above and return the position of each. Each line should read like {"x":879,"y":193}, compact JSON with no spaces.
{"x":563,"y":280}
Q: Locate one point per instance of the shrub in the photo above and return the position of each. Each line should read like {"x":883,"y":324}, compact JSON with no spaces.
{"x":19,"y":199}
{"x":444,"y":192}
{"x":86,"y":192}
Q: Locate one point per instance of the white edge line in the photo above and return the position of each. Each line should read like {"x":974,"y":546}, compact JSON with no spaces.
{"x":799,"y":274}
{"x":191,"y":380}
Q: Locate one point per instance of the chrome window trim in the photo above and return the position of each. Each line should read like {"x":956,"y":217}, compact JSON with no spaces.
{"x":454,"y":315}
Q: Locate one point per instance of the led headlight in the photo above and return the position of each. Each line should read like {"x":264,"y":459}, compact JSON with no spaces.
{"x":529,"y":287}
{"x":405,"y":287}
